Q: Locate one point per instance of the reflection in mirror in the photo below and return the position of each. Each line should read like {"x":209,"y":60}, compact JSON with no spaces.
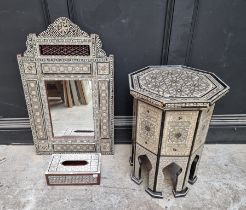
{"x":70,"y":105}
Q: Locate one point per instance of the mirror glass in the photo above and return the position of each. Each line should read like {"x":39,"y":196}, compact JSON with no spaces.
{"x":71,"y":108}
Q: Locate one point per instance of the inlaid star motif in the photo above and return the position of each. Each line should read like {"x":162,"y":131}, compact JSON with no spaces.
{"x":63,"y":27}
{"x":175,"y":83}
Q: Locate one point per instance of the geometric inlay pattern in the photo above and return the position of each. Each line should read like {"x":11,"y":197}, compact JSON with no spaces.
{"x":67,"y":169}
{"x":63,"y":27}
{"x":75,"y":147}
{"x":103,"y":68}
{"x":92,"y":159}
{"x":30,"y":67}
{"x":175,"y":86}
{"x":175,"y":83}
{"x":179,"y":128}
{"x":64,"y":52}
{"x":178,"y":132}
{"x":66,"y":68}
{"x":148,"y":126}
{"x":173,"y":108}
{"x":72,"y":50}
{"x":38,"y":120}
{"x":152,"y":158}
{"x":70,"y":180}
{"x":165,"y":161}
{"x":203,"y":127}
{"x":103,"y":103}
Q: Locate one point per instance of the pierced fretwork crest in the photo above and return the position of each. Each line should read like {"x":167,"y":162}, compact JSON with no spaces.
{"x":66,"y":30}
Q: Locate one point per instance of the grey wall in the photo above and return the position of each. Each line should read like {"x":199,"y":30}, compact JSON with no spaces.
{"x":18,"y":18}
{"x":220,"y":47}
{"x":200,"y":33}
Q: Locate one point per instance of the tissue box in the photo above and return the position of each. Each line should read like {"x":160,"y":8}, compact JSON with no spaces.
{"x":74,"y":169}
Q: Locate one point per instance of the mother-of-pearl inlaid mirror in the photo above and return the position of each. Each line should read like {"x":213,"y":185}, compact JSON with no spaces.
{"x":68,"y":84}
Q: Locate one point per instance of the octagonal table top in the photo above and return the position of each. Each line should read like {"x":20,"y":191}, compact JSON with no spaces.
{"x":175,"y":84}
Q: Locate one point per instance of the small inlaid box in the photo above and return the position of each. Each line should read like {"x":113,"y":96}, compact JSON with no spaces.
{"x":74,"y":169}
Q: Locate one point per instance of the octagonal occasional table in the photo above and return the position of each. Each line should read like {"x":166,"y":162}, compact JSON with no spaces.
{"x":173,"y":106}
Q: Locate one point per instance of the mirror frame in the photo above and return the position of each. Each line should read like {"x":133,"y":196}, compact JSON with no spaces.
{"x":36,"y":68}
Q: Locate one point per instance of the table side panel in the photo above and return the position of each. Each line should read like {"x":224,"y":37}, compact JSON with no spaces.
{"x":179,"y":128}
{"x":148,"y":126}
